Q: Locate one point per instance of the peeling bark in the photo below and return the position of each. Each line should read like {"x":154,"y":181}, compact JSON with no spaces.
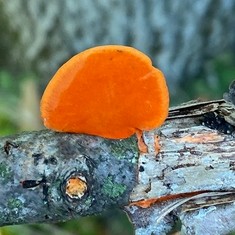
{"x":193,"y":171}
{"x":49,"y":177}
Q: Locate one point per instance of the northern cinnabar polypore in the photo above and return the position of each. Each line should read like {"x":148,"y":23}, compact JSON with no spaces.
{"x":110,"y":91}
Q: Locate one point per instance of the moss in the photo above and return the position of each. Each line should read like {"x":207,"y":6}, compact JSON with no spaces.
{"x":124,"y":148}
{"x":112,"y":189}
{"x":5,"y":171}
{"x":13,"y":203}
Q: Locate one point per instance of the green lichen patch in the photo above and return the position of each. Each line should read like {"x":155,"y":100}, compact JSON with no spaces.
{"x":88,"y":202}
{"x":126,"y":148}
{"x":14,"y":203}
{"x":5,"y":171}
{"x":112,"y":189}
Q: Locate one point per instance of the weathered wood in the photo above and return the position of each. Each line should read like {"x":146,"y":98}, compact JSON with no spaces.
{"x":190,"y":175}
{"x":194,"y":165}
{"x":192,"y":158}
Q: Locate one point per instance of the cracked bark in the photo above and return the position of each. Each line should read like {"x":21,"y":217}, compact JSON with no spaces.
{"x":190,"y":179}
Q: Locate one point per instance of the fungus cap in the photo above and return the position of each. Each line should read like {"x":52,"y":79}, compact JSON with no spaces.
{"x":110,"y":91}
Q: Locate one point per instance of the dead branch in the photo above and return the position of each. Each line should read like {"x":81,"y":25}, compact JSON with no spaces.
{"x":50,"y":177}
{"x":187,"y":174}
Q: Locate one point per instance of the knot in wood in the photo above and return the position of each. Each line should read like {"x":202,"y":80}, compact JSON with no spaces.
{"x":76,"y":186}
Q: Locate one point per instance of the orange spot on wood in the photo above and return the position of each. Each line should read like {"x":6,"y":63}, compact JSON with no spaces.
{"x":146,"y":203}
{"x":143,"y":148}
{"x":76,"y":187}
{"x":200,"y":138}
{"x":156,"y":144}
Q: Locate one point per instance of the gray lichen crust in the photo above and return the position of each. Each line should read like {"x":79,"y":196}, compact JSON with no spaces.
{"x":34,"y":168}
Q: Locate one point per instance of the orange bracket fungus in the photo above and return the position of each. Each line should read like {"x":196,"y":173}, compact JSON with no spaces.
{"x":111,"y":91}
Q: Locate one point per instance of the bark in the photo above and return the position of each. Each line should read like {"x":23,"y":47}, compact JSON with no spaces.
{"x":187,"y":174}
{"x":35,"y":169}
{"x":192,"y":178}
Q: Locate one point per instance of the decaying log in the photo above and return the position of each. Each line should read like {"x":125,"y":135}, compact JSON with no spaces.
{"x":187,"y":174}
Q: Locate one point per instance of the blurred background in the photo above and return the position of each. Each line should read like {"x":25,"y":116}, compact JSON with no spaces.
{"x":192,"y":42}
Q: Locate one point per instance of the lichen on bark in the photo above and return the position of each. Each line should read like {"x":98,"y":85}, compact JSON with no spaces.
{"x":34,"y":168}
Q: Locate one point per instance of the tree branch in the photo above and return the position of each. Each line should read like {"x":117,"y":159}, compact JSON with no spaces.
{"x":187,"y":173}
{"x":38,"y":169}
{"x":193,"y":171}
